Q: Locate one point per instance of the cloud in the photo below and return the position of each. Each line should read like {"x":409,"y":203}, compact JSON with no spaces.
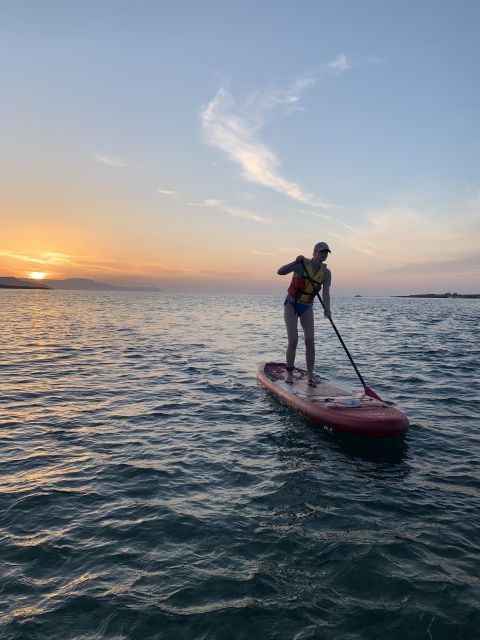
{"x":167,"y":192}
{"x":235,"y":212}
{"x":83,"y":264}
{"x":467,"y":266}
{"x":234,"y":130}
{"x":250,"y":197}
{"x":181,"y":278}
{"x":323,"y":216}
{"x":111,"y":161}
{"x":404,"y":236}
{"x":339,"y":64}
{"x":283,"y":100}
{"x":45,"y":258}
{"x":213,"y":203}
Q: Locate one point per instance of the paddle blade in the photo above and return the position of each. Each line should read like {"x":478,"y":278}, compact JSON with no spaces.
{"x":372,"y":394}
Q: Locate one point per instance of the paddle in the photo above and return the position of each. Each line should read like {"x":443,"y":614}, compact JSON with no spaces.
{"x":368,"y":391}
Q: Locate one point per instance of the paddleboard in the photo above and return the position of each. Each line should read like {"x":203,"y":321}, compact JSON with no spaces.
{"x":330,"y":406}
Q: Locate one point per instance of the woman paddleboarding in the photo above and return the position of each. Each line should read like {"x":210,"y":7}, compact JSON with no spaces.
{"x":309,"y":276}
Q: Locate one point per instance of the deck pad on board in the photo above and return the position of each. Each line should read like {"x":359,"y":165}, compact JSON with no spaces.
{"x":331,"y":406}
{"x":324,"y":391}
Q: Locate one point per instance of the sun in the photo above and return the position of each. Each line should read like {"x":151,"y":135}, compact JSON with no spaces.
{"x":37,"y":275}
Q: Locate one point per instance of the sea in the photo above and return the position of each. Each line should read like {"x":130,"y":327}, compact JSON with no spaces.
{"x":151,"y":489}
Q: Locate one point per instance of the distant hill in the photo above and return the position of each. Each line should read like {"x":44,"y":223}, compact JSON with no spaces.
{"x":74,"y":284}
{"x":18,"y":283}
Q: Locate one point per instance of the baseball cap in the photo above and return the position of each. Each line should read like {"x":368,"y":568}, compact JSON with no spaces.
{"x":322,"y":246}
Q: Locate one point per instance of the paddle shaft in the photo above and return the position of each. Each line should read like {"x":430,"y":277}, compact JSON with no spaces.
{"x":335,"y":328}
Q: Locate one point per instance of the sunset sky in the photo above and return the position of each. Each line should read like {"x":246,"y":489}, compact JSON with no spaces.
{"x":198,"y":146}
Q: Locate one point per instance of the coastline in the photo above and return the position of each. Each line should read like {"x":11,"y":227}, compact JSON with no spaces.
{"x":19,"y":286}
{"x":470,"y":296}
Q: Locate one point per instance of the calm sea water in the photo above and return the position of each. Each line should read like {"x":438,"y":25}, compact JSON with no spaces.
{"x":149,"y":488}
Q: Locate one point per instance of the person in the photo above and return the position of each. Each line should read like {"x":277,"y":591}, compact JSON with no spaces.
{"x":299,"y":304}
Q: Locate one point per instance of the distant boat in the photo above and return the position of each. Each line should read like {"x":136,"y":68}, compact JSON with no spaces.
{"x":357,"y":296}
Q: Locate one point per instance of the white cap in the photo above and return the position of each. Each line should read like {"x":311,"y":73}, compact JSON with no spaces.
{"x":322,"y":246}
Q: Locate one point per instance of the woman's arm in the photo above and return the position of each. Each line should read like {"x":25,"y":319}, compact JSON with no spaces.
{"x":288,"y":268}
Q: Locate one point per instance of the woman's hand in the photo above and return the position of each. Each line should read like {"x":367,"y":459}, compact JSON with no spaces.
{"x":288,"y":268}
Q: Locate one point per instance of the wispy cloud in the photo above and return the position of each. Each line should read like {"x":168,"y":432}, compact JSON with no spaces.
{"x":250,"y":197}
{"x":44,"y":258}
{"x":71,"y":263}
{"x":466,"y":266}
{"x":167,"y":192}
{"x":234,"y":129}
{"x":235,"y":212}
{"x":118,"y":271}
{"x":403,"y":236}
{"x":213,"y":203}
{"x":328,"y":218}
{"x":340,"y":63}
{"x":111,"y":161}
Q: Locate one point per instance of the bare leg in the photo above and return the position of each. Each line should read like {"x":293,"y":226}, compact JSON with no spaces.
{"x":308,"y":326}
{"x":291,"y":323}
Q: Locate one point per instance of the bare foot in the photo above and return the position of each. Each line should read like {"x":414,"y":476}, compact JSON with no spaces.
{"x":313,"y":381}
{"x":289,"y":378}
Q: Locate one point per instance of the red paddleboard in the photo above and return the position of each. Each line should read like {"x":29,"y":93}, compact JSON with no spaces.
{"x":331,"y":406}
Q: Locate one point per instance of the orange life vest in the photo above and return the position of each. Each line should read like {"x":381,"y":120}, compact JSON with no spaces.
{"x":301,"y":288}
